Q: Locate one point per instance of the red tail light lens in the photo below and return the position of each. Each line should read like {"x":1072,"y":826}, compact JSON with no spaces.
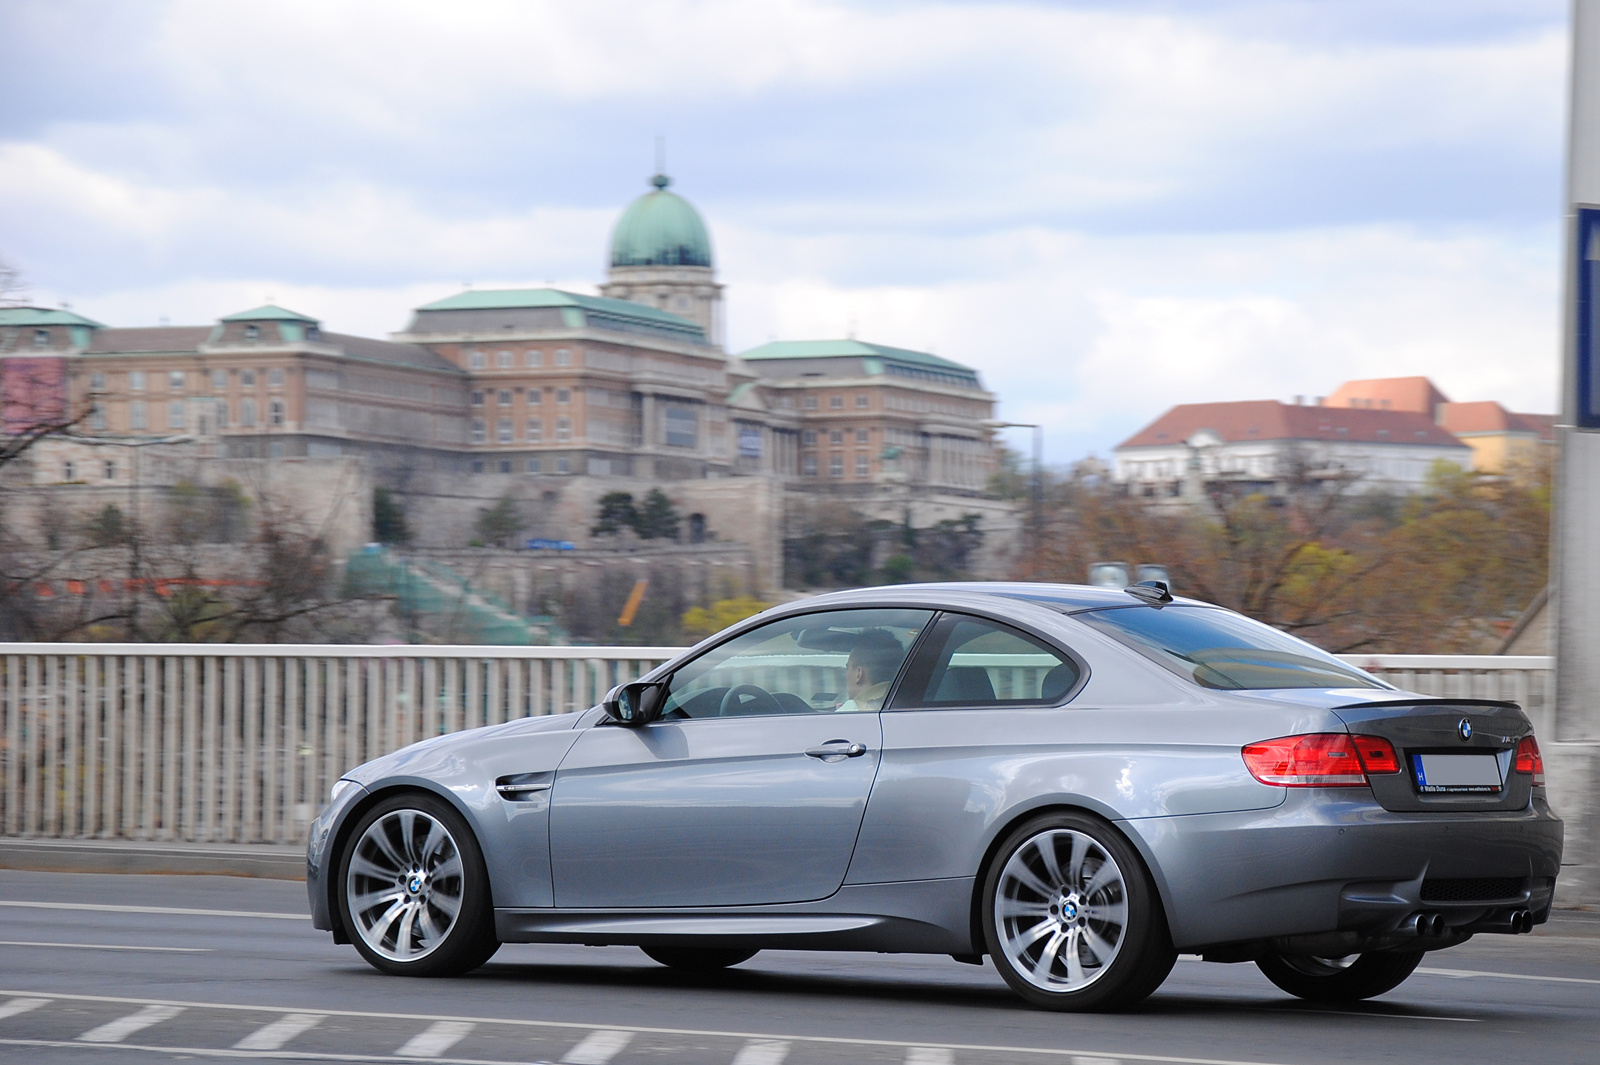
{"x":1530,"y":761}
{"x":1377,"y":754}
{"x":1316,"y":760}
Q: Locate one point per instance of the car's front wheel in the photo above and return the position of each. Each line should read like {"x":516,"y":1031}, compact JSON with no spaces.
{"x":1071,"y":918}
{"x":414,"y":891}
{"x":703,"y":959}
{"x":1347,"y":979}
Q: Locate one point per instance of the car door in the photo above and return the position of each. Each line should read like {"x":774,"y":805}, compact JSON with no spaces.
{"x":750,"y":788}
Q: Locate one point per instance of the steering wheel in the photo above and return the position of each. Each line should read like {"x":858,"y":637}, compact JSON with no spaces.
{"x":760,"y":701}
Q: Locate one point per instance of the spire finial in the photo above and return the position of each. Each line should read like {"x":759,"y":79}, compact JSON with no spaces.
{"x":660,"y":180}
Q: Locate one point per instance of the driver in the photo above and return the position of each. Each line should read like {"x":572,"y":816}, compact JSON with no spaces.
{"x":873,"y":662}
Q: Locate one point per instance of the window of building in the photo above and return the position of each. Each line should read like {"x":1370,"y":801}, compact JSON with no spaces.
{"x":478,"y":430}
{"x":276,"y":412}
{"x":68,"y":471}
{"x":535,"y":397}
{"x":836,"y":403}
{"x":835,"y":465}
{"x":175,"y":414}
{"x":535,"y":430}
{"x":111,"y":469}
{"x":535,"y":358}
{"x":808,"y":466}
{"x":222,"y":414}
{"x":247,"y":413}
{"x":809,"y":438}
{"x":477,"y":465}
{"x":811,"y":403}
{"x":477,"y":399}
{"x":863,"y":466}
{"x":502,"y":432}
{"x":863,"y":401}
{"x":136,"y":380}
{"x":41,"y":339}
{"x":136,"y":416}
{"x":786,"y":402}
{"x":502,"y":359}
{"x":563,"y":396}
{"x":252,"y":333}
{"x":97,"y":382}
{"x":275,"y":378}
{"x":219,"y":379}
{"x":533,"y":465}
{"x":475,"y":360}
{"x":563,"y":357}
{"x":503,"y":397}
{"x":682,"y":427}
{"x":505,"y":465}
{"x":863,"y":435}
{"x":563,"y":466}
{"x":175,"y":379}
{"x":247,"y":378}
{"x":835,"y":436}
{"x":563,"y":429}
{"x":97,"y":417}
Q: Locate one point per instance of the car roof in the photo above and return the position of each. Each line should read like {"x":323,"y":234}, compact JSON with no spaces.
{"x":1064,"y":597}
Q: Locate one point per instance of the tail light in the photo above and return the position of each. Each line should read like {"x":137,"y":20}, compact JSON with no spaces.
{"x":1320,"y":760}
{"x":1529,"y":760}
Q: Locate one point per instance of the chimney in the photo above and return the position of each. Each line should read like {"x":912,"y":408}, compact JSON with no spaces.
{"x":1299,"y":401}
{"x":1320,"y":399}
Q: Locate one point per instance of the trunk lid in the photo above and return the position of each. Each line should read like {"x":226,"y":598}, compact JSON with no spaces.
{"x":1454,"y":740}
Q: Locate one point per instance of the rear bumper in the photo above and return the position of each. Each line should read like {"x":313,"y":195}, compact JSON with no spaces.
{"x":1331,"y":861}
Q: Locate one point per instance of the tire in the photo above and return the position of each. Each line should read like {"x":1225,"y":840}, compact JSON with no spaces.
{"x":1339,"y":979}
{"x":1065,"y":880}
{"x":699,"y":959}
{"x":413,"y":890}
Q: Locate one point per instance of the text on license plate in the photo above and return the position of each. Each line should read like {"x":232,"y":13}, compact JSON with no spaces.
{"x":1456,"y":772}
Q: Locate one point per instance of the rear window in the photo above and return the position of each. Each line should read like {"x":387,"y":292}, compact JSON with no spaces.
{"x":1221,"y":649}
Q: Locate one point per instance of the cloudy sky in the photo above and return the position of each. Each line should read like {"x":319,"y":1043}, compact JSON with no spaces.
{"x":1106,"y":207}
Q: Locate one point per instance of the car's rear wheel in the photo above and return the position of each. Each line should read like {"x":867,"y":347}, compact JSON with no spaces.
{"x":1071,"y":918}
{"x":414,"y":891}
{"x":702,"y":959}
{"x":1347,"y":979}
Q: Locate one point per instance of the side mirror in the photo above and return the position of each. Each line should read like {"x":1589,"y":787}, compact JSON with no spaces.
{"x":637,"y":703}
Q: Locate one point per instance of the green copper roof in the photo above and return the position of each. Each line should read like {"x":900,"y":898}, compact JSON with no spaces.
{"x":578,"y":310}
{"x":18,"y":316}
{"x":269,"y":313}
{"x":660,"y":228}
{"x":849,"y":349}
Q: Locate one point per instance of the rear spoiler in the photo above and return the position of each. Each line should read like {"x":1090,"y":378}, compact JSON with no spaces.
{"x":1378,"y":704}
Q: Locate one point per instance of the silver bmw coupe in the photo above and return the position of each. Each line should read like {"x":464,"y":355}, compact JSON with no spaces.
{"x":1076,"y":782}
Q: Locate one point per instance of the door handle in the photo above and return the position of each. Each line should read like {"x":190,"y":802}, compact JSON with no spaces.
{"x":834,"y":750}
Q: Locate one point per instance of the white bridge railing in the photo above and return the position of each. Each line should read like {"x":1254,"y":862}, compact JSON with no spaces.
{"x":228,"y":743}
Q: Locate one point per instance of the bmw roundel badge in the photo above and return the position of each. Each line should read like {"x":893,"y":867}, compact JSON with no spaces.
{"x":1465,"y":729}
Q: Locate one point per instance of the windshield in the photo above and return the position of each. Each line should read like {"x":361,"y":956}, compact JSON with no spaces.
{"x":1221,"y":649}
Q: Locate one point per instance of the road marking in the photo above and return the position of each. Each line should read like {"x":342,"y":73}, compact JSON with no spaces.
{"x":273,"y":1036}
{"x":930,"y":1056}
{"x":820,"y":1040}
{"x":598,"y":1048}
{"x":121,"y":1028}
{"x":1461,"y":974}
{"x":762,"y":1052}
{"x":169,"y":1052}
{"x":104,"y":946}
{"x":1379,"y":1016}
{"x":20,"y":1005}
{"x":1084,"y":1059}
{"x":435,"y":1039}
{"x":178,"y":911}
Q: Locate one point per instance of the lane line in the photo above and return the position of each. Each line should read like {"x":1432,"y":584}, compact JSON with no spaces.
{"x":826,"y":1040}
{"x":1379,"y":1016}
{"x":96,"y":907}
{"x":598,"y":1047}
{"x":121,"y":1028}
{"x":1460,"y":974}
{"x":435,"y":1039}
{"x":930,"y":1056}
{"x":1084,"y":1059}
{"x":274,"y":1035}
{"x":104,"y":946}
{"x":274,"y":1055}
{"x":762,"y":1052}
{"x":20,"y":1005}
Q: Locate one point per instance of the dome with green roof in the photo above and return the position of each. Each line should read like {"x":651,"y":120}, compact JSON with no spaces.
{"x":660,"y":228}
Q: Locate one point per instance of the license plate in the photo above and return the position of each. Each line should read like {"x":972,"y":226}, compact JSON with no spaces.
{"x":1456,"y":772}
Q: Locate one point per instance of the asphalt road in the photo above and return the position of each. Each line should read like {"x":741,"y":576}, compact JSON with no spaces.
{"x":152,"y":969}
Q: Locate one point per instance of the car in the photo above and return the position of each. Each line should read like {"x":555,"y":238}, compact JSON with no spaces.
{"x":1075,"y":782}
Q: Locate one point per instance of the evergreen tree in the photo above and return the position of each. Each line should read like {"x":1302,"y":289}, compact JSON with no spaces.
{"x":658,"y":518}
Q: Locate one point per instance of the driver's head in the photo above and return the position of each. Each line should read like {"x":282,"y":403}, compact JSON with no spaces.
{"x":873,"y":660}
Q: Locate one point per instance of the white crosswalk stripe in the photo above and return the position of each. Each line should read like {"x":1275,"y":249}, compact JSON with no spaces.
{"x":930,"y":1056}
{"x":273,"y":1036}
{"x":598,"y":1048}
{"x":435,"y":1039}
{"x":121,"y":1028}
{"x":762,"y":1052}
{"x":20,"y":1005}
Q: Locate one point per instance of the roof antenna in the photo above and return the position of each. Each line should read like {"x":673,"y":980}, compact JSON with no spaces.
{"x":850,"y":329}
{"x":660,"y":180}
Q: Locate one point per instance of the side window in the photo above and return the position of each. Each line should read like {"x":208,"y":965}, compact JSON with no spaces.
{"x":839,"y":661}
{"x":976,"y":662}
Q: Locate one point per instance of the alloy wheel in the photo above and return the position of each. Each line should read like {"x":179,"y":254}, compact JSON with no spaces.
{"x":1061,"y":910}
{"x":405,"y":884}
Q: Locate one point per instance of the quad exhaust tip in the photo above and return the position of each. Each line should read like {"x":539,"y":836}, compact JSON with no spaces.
{"x":1424,"y":925}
